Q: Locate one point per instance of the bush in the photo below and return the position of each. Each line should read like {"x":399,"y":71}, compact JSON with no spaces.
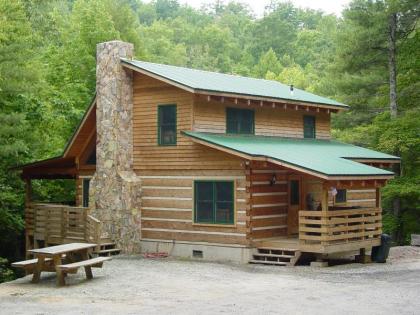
{"x":6,"y":274}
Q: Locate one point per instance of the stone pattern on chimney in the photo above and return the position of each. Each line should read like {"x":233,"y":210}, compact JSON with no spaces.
{"x":115,"y":188}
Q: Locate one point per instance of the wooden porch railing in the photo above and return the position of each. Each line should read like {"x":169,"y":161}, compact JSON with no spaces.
{"x":336,"y":227}
{"x":59,"y":224}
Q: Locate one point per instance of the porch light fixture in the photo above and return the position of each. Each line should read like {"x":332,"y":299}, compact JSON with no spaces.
{"x":273,"y":180}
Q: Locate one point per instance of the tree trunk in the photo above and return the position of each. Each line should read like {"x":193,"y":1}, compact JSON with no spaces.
{"x":392,"y":52}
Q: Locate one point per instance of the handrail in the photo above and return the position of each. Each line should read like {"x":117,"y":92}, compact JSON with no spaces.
{"x":57,"y":224}
{"x":339,"y":226}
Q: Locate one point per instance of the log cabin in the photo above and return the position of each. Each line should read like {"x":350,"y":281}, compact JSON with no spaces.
{"x":207,"y":165}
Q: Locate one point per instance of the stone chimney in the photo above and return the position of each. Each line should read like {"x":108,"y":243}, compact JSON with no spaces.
{"x":116,"y":189}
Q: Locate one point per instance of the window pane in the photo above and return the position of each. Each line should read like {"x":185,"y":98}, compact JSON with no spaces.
{"x":341,"y":195}
{"x":239,"y":121}
{"x":224,"y":212}
{"x":204,"y":191}
{"x":224,"y":202}
{"x":204,"y":212}
{"x":308,"y":126}
{"x":167,"y":124}
{"x":168,"y":114}
{"x":204,"y":207}
{"x":294,"y":192}
{"x":86,"y":184}
{"x":168,"y":134}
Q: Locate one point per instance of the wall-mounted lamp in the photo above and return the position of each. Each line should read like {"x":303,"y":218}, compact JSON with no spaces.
{"x":273,"y":180}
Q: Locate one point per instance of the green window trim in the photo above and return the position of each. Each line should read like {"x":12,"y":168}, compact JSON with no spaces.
{"x":219,"y":211}
{"x":309,"y":127}
{"x":240,"y":121}
{"x":341,"y":196}
{"x":167,"y":124}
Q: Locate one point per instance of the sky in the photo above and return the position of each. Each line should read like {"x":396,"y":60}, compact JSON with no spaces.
{"x":328,"y":6}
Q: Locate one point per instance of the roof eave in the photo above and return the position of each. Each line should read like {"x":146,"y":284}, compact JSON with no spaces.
{"x":296,"y":167}
{"x":128,"y":64}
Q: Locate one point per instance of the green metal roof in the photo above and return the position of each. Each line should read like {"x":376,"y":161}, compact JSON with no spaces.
{"x":200,"y":80}
{"x":326,"y":157}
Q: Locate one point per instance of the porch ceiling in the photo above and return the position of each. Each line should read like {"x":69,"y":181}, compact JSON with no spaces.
{"x":326,"y":159}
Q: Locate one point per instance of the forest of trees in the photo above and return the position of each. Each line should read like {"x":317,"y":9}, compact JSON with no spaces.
{"x":369,"y":58}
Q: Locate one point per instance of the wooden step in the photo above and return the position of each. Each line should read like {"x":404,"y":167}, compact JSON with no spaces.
{"x":276,"y":256}
{"x":278,"y":249}
{"x":273,"y":255}
{"x":107,"y":244}
{"x":108,"y":252}
{"x":268,"y":262}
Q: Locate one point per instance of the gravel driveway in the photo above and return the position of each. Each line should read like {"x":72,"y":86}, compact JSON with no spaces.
{"x":133,"y":285}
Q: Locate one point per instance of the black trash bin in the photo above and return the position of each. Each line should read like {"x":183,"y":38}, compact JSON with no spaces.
{"x":380,"y":253}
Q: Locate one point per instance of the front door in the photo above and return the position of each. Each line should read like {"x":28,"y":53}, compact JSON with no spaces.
{"x":295,"y":204}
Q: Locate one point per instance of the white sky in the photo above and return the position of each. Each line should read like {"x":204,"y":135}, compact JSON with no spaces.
{"x":328,"y":6}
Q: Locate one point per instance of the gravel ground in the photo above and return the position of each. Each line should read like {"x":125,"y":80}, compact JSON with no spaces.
{"x":133,"y":285}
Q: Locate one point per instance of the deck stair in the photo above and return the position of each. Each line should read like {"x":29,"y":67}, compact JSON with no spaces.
{"x":107,"y":248}
{"x":276,"y":256}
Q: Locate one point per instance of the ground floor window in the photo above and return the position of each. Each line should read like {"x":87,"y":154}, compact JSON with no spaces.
{"x":341,"y":196}
{"x":214,"y":202}
{"x":85,"y":192}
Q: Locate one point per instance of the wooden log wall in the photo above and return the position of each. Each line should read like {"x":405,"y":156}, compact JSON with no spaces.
{"x":186,"y":155}
{"x":168,"y":203}
{"x":268,"y":202}
{"x":357,"y":196}
{"x":210,"y":116}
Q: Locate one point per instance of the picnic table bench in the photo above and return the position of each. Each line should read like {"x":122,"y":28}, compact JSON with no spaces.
{"x":51,"y":259}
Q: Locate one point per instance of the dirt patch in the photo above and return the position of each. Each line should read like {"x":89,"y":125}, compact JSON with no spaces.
{"x":133,"y":285}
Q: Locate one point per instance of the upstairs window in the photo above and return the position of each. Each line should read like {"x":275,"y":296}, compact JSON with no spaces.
{"x":167,"y":124}
{"x":309,"y":127}
{"x":341,"y":196}
{"x":213,"y":202}
{"x":239,"y":121}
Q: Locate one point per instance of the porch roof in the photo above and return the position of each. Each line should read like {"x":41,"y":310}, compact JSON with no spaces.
{"x":322,"y":158}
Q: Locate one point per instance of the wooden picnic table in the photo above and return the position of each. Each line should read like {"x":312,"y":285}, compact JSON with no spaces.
{"x":55,"y":253}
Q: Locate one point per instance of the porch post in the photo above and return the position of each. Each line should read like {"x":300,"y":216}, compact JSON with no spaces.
{"x":28,"y":192}
{"x":28,"y":199}
{"x":324,"y":198}
{"x":378,"y":197}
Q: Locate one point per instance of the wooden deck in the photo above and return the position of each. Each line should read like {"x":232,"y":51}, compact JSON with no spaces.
{"x":53,"y":224}
{"x":331,"y":232}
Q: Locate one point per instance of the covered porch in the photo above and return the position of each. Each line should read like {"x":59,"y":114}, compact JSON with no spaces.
{"x":56,"y":222}
{"x":308,"y":195}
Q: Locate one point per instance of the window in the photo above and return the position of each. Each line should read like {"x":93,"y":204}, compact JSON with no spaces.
{"x":167,"y":124}
{"x":213,"y":202}
{"x":294,"y":193}
{"x":239,"y":121}
{"x":85,"y":192}
{"x":309,"y":126}
{"x":341,"y":196}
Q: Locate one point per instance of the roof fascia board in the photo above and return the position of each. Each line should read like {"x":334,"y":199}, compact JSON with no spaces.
{"x":157,"y":77}
{"x":268,"y":99}
{"x":82,"y":122}
{"x":379,"y":160}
